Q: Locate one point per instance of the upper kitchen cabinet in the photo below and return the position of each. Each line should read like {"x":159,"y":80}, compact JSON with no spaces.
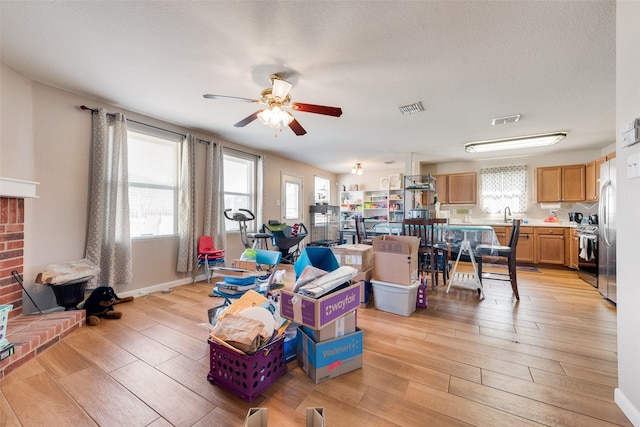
{"x":592,"y":178}
{"x":560,"y":184}
{"x":457,"y":188}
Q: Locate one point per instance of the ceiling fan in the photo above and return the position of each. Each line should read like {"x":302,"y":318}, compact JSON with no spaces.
{"x":276,"y":99}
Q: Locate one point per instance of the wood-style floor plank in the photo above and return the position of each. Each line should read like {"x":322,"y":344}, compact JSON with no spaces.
{"x":548,"y":359}
{"x":106,"y":401}
{"x":606,"y":411}
{"x":173,"y":401}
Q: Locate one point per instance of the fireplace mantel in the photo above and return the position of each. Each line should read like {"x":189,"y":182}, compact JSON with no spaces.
{"x":18,"y":188}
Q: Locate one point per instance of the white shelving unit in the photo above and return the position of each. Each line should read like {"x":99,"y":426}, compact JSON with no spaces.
{"x":396,"y":206}
{"x":376,"y":208}
{"x":351,"y":205}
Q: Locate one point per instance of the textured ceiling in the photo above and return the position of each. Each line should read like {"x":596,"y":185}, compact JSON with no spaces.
{"x":553,"y":62}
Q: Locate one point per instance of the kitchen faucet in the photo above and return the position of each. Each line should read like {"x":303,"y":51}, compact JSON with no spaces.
{"x":507,"y":208}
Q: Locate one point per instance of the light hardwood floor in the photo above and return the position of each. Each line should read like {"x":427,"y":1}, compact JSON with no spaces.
{"x":549,"y":359}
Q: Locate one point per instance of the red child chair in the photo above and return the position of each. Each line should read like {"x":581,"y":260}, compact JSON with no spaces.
{"x":208,"y":256}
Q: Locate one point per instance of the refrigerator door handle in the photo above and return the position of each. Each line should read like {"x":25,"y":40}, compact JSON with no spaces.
{"x":602,"y":211}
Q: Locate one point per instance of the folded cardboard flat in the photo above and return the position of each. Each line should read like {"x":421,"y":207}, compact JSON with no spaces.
{"x":315,"y":417}
{"x":358,"y":256}
{"x":316,"y":313}
{"x":395,"y":259}
{"x":344,"y":325}
{"x":329,"y":359}
{"x":257,"y":417}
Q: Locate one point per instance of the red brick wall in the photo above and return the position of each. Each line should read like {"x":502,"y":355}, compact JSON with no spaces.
{"x":11,"y":251}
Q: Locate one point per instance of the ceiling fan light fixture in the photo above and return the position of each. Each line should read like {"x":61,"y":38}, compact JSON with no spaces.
{"x":275,"y":117}
{"x":529,"y":141}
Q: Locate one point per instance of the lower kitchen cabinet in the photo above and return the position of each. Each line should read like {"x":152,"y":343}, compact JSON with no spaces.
{"x":525,"y":249}
{"x":574,"y":248}
{"x":550,"y":245}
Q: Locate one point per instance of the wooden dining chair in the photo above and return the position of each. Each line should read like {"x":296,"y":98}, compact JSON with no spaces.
{"x":508,"y":252}
{"x":361,"y":232}
{"x":424,"y":228}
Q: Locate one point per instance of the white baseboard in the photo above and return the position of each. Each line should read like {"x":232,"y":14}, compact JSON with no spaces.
{"x":160,"y":287}
{"x":627,"y":407}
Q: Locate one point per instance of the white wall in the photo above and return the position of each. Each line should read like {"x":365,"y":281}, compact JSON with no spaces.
{"x":46,"y":138}
{"x":627,"y":395}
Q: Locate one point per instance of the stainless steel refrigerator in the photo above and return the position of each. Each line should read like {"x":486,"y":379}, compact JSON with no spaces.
{"x":607,"y":231}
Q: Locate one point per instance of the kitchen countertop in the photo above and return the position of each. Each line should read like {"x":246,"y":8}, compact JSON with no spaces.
{"x":528,"y":223}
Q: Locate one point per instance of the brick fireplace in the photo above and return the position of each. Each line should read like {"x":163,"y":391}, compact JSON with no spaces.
{"x":28,"y":334}
{"x":11,"y":251}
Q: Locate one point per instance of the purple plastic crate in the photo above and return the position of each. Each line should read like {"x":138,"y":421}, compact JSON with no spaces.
{"x":244,"y":375}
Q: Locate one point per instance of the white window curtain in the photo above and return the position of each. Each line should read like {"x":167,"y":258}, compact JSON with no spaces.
{"x":187,"y":240}
{"x":108,"y":240}
{"x":214,"y":224}
{"x":503,"y":186}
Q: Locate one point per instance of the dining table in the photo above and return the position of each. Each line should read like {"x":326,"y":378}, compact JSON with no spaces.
{"x":463,"y":240}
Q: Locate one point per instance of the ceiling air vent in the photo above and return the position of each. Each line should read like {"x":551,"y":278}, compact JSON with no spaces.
{"x":505,"y":120}
{"x":411,"y":108}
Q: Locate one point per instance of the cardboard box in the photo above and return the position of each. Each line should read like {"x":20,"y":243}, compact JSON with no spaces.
{"x":356,"y":256}
{"x":245,"y":264}
{"x":329,"y":359}
{"x":395,"y":259}
{"x":317,"y":313}
{"x":344,"y":325}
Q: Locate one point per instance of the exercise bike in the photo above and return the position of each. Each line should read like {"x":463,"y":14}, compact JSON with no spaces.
{"x":242,"y":217}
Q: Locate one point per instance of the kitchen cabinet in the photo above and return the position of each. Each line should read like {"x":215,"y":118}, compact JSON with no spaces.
{"x":592,"y":179}
{"x":442,"y":188}
{"x":457,"y":188}
{"x":503,"y":234}
{"x":560,"y":184}
{"x":574,"y":248}
{"x":550,"y":245}
{"x":525,"y":250}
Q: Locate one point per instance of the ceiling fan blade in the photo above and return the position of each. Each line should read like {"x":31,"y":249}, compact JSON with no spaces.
{"x":248,"y":119}
{"x":318,"y":109}
{"x":281,"y":88}
{"x":296,"y":128}
{"x":230,"y":98}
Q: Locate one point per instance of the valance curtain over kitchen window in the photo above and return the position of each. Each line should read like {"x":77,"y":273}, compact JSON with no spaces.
{"x":503,"y":186}
{"x":108,"y":239}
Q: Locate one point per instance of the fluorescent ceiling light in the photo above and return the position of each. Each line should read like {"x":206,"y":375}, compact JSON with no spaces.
{"x":512,"y":143}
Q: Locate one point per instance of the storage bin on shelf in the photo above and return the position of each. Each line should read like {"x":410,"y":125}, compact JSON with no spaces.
{"x":246,"y":376}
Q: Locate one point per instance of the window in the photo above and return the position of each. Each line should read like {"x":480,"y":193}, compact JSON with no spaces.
{"x":291,"y":193}
{"x":153,"y":184}
{"x":503,"y":186}
{"x":323,"y":192}
{"x":240,"y":187}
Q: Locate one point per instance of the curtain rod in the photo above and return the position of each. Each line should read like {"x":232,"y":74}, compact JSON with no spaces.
{"x":93,"y":110}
